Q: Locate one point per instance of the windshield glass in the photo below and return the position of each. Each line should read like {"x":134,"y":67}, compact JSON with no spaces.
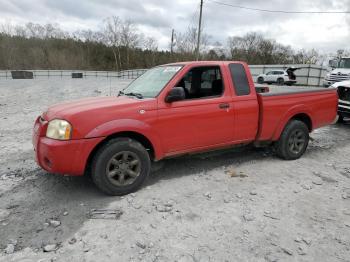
{"x":152,"y":82}
{"x":344,"y":63}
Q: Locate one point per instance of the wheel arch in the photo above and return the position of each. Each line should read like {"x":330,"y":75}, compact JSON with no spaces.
{"x":301,"y":114}
{"x":305,"y":118}
{"x":142,"y":139}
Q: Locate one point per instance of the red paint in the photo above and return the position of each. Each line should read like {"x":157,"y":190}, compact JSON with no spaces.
{"x":179,"y":127}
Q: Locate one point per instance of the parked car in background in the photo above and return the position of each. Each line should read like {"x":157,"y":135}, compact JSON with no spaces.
{"x":280,"y":77}
{"x":344,"y":99}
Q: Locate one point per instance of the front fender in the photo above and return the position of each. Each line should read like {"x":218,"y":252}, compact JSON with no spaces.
{"x":129,"y":125}
{"x":296,"y":110}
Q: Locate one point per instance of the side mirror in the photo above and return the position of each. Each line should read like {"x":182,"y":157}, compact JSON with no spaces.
{"x":175,"y":94}
{"x":333,"y":63}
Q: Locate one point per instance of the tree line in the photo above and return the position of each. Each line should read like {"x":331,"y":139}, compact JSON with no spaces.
{"x":119,"y":45}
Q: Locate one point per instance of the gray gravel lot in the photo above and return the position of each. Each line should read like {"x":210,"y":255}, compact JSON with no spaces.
{"x":242,"y":204}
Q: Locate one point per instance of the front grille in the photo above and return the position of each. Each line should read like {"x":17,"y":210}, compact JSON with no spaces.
{"x":338,"y":77}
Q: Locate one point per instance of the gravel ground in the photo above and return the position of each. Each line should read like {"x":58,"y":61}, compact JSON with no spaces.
{"x":242,"y":204}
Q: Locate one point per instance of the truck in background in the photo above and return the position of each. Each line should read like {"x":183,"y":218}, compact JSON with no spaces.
{"x":340,"y":71}
{"x":344,"y":99}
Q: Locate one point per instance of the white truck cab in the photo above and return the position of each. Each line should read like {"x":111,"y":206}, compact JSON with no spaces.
{"x":340,"y":71}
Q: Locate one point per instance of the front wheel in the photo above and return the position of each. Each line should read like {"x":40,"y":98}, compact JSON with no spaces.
{"x":260,"y":80}
{"x":120,"y":166}
{"x":293,"y":140}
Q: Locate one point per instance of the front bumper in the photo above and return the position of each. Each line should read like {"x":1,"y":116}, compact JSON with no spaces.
{"x":63,"y":157}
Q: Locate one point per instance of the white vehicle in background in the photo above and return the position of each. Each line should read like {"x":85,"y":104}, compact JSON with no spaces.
{"x":344,"y":99}
{"x":340,"y":71}
{"x":280,"y":77}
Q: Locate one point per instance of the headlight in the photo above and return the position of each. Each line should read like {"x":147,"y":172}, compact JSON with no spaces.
{"x":59,"y":129}
{"x":328,"y":75}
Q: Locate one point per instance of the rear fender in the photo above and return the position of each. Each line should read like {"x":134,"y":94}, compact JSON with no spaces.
{"x":129,"y":125}
{"x":296,"y":110}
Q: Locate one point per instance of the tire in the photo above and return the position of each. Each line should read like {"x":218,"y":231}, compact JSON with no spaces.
{"x":340,"y":119}
{"x":260,"y":80}
{"x":120,"y":166}
{"x":293,"y":140}
{"x":280,"y":81}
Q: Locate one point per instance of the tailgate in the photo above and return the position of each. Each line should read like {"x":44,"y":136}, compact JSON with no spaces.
{"x":276,"y":109}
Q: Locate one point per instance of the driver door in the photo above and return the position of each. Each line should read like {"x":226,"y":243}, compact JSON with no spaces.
{"x":201,"y":121}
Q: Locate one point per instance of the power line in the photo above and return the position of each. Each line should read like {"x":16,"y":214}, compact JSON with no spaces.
{"x":279,"y":11}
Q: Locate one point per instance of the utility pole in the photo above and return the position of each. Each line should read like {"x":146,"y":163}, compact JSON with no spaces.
{"x":199,"y":30}
{"x":172,"y":42}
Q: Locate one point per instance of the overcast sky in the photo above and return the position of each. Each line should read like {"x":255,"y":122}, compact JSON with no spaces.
{"x":325,"y":32}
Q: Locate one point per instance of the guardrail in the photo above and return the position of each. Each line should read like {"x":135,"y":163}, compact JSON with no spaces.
{"x":308,"y":74}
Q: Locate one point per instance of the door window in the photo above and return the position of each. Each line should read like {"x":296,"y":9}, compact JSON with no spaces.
{"x":202,"y":82}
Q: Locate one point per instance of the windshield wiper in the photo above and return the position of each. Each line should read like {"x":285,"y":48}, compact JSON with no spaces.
{"x":138,"y":95}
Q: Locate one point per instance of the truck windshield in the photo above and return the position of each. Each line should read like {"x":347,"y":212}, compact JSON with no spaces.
{"x":344,"y":63}
{"x":152,"y":82}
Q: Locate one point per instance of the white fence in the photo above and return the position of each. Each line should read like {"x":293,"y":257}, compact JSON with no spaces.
{"x":307,"y":75}
{"x":126,"y":74}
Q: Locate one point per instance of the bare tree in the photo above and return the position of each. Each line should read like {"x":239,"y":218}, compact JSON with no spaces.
{"x":7,"y":28}
{"x":306,"y":57}
{"x":245,"y":47}
{"x":130,"y":38}
{"x":151,"y":44}
{"x":112,"y":37}
{"x":89,"y":35}
{"x":186,"y":42}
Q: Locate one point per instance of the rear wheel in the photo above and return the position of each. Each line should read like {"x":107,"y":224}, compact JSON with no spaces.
{"x":293,"y":141}
{"x":120,"y":166}
{"x":260,"y":80}
{"x":280,"y":81}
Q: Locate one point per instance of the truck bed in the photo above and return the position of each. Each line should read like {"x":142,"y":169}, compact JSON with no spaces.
{"x":281,"y":103}
{"x":274,"y":89}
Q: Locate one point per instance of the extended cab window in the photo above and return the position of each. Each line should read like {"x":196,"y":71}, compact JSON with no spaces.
{"x":239,"y":79}
{"x":201,"y":82}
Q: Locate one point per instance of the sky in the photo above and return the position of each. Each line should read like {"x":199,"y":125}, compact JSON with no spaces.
{"x":324,"y":32}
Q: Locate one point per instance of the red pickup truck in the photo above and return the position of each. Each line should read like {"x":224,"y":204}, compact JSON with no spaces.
{"x":172,"y":110}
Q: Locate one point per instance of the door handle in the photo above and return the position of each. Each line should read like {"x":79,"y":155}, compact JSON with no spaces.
{"x":224,"y":105}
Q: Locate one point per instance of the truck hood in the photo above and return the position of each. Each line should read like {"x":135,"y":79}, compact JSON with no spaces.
{"x":343,"y":83}
{"x":341,"y":71}
{"x":89,"y":113}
